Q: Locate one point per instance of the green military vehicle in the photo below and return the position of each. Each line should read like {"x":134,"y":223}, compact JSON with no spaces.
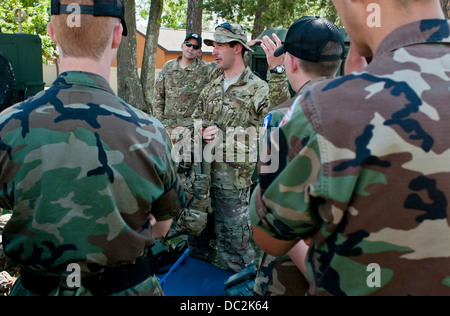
{"x":21,"y":73}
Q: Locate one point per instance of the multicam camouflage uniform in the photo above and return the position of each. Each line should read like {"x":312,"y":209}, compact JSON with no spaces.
{"x":364,"y":170}
{"x":82,"y":170}
{"x":177,"y":91}
{"x":242,"y":106}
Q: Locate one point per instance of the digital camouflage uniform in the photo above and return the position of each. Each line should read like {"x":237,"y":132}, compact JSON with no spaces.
{"x":279,"y":276}
{"x":241,"y":107}
{"x":364,"y":170}
{"x":177,"y":91}
{"x":82,"y":170}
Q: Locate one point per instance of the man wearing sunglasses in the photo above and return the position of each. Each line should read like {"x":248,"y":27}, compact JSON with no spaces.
{"x":233,"y":104}
{"x":179,"y":84}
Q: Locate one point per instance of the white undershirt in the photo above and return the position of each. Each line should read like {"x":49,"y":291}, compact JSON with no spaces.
{"x":228,"y":82}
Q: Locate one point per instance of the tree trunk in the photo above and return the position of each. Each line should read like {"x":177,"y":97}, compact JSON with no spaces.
{"x":150,"y":49}
{"x":128,"y":85}
{"x":260,"y":22}
{"x":258,"y":26}
{"x":194,"y":18}
{"x":446,"y":8}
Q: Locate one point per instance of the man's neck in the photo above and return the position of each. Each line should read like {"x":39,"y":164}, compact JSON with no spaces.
{"x":396,"y":17}
{"x":86,"y":65}
{"x":237,"y":69}
{"x":300,"y":79}
{"x":184,"y":62}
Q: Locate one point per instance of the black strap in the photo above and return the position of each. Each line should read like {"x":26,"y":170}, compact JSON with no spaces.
{"x":97,"y":9}
{"x":37,"y":283}
{"x":84,"y":9}
{"x":117,"y":279}
{"x":111,"y":280}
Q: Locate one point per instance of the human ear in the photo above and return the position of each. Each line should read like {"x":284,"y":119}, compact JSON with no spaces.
{"x":117,"y":35}
{"x":293,"y":62}
{"x":51,"y":32}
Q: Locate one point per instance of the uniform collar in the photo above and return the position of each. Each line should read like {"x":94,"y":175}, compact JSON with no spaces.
{"x":312,"y":81}
{"x":243,"y":79}
{"x":189,"y":67}
{"x":81,"y":78}
{"x":419,"y":32}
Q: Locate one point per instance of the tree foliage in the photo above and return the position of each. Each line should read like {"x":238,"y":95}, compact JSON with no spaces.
{"x":270,"y":13}
{"x":173,"y":16}
{"x":38,"y":17}
{"x":446,"y":8}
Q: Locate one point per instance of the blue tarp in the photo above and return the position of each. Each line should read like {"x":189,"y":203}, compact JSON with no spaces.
{"x":194,"y":277}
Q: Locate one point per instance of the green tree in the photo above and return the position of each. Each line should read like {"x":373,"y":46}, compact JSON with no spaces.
{"x":446,"y":8}
{"x":173,"y":14}
{"x":194,"y":17}
{"x":263,"y":14}
{"x":38,"y":17}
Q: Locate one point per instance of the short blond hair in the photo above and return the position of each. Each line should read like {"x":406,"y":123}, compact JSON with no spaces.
{"x":87,"y":40}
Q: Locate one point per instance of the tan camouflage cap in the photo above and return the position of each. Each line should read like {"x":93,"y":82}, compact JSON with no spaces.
{"x":227,"y":33}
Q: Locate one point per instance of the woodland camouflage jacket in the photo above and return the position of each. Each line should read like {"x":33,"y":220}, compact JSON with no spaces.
{"x":365,"y":170}
{"x":82,"y":170}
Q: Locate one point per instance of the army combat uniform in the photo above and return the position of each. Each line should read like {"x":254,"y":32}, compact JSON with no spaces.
{"x":177,"y":91}
{"x":364,"y":170}
{"x":242,"y":106}
{"x":82,"y":170}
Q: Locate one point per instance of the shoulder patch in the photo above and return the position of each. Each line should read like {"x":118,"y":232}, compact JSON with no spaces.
{"x":288,"y":115}
{"x":266,"y":123}
{"x":160,"y":77}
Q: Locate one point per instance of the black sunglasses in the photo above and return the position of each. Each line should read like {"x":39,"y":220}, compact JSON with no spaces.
{"x":188,"y":44}
{"x":227,"y":26}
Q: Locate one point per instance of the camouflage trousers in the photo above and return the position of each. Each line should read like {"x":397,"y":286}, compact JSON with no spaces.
{"x":149,"y":287}
{"x":226,"y":240}
{"x":279,"y":276}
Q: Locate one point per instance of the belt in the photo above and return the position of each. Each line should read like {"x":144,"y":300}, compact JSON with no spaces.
{"x":110,"y":281}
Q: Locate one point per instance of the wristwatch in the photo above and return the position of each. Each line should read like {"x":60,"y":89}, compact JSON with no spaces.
{"x":277,"y":70}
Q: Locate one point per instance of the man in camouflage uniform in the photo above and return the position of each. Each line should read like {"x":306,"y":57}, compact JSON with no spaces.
{"x":306,"y":39}
{"x":231,"y":106}
{"x":363,"y":165}
{"x":89,"y":178}
{"x":180,"y":82}
{"x":195,"y":175}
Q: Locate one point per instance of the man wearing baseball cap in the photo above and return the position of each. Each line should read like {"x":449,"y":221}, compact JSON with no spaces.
{"x":88,"y":191}
{"x":179,"y":84}
{"x":312,"y":52}
{"x":235,"y":101}
{"x":364,"y":174}
{"x":308,"y":36}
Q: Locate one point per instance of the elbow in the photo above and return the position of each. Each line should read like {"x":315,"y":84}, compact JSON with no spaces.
{"x":270,"y":245}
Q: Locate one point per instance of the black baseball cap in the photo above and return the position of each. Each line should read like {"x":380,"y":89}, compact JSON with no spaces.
{"x":112,"y":8}
{"x":307,"y":37}
{"x":195,"y":36}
